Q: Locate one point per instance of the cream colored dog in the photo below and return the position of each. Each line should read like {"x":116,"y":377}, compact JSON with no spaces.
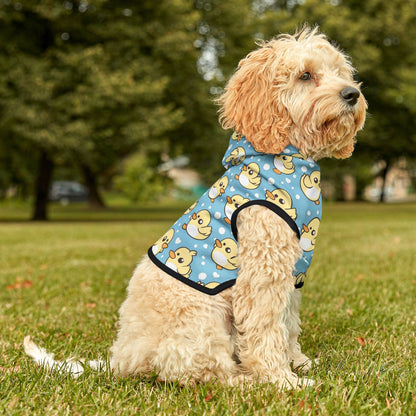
{"x":294,"y":90}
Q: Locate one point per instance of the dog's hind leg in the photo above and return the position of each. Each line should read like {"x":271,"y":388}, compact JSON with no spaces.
{"x":300,"y":360}
{"x":197,"y":351}
{"x":268,"y":251}
{"x":177,"y":331}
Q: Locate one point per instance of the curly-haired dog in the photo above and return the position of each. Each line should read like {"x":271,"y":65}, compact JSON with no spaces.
{"x":215,"y":298}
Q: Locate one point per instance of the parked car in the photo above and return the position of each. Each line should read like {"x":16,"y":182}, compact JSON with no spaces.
{"x":68,"y":191}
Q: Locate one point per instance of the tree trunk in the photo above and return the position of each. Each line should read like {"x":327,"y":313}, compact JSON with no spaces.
{"x":95,"y":199}
{"x":384,"y":177}
{"x":42,"y":185}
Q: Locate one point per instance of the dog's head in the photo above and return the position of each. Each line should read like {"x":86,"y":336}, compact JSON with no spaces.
{"x":295,"y":90}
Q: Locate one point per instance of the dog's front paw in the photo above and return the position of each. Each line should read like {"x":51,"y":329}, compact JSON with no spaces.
{"x":297,"y":383}
{"x":303,"y":364}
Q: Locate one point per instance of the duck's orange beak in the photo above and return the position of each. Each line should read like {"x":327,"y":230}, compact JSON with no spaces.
{"x":270,"y":195}
{"x":218,"y":243}
{"x":172,"y":254}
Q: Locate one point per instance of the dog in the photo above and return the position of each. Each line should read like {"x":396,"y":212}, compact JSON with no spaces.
{"x":217,"y":297}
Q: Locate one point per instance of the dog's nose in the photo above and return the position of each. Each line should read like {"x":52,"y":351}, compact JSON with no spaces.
{"x":350,"y":95}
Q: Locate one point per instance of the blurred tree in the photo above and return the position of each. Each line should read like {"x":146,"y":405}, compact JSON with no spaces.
{"x":224,"y":34}
{"x":140,"y":181}
{"x":90,"y":83}
{"x":81,"y":82}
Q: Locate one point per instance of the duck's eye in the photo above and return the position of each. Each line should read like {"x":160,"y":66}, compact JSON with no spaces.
{"x":228,"y":250}
{"x":250,"y":172}
{"x":313,"y":232}
{"x":306,"y":76}
{"x":181,"y":260}
{"x":200,"y":222}
{"x":282,"y":201}
{"x":315,"y":180}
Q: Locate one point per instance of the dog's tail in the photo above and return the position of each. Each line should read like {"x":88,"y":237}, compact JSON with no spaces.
{"x":71,"y":365}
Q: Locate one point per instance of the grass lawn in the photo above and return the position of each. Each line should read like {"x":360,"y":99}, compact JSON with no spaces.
{"x":62,"y":282}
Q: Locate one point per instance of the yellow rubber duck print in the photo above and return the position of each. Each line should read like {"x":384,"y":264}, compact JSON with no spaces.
{"x":311,"y":186}
{"x":232,"y":204}
{"x":180,"y":260}
{"x":236,"y":136}
{"x":309,"y":234}
{"x":210,"y":285}
{"x":249,"y":176}
{"x":283,"y":200}
{"x":198,"y":226}
{"x":218,"y":188}
{"x":237,"y":156}
{"x":283,"y":164}
{"x":225,"y":254}
{"x":163,"y":242}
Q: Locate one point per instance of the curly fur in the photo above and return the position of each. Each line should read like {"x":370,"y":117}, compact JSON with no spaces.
{"x":249,"y":332}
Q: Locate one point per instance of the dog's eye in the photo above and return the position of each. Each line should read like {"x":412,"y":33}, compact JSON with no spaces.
{"x":306,"y":76}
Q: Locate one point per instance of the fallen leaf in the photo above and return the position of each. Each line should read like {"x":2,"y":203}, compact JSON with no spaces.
{"x":209,"y":396}
{"x":91,"y":305}
{"x":301,"y":404}
{"x":20,"y":285}
{"x":359,"y":277}
{"x":349,"y":312}
{"x":361,"y":341}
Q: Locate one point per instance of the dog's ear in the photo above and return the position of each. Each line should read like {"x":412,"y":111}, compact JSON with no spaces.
{"x":251,"y":104}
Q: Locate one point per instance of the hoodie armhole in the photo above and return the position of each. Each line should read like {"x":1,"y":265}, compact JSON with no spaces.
{"x":277,"y":210}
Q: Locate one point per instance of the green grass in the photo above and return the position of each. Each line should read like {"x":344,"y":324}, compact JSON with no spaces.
{"x":62,"y":282}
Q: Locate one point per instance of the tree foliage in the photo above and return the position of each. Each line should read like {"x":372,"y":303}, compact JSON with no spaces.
{"x":87,"y":84}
